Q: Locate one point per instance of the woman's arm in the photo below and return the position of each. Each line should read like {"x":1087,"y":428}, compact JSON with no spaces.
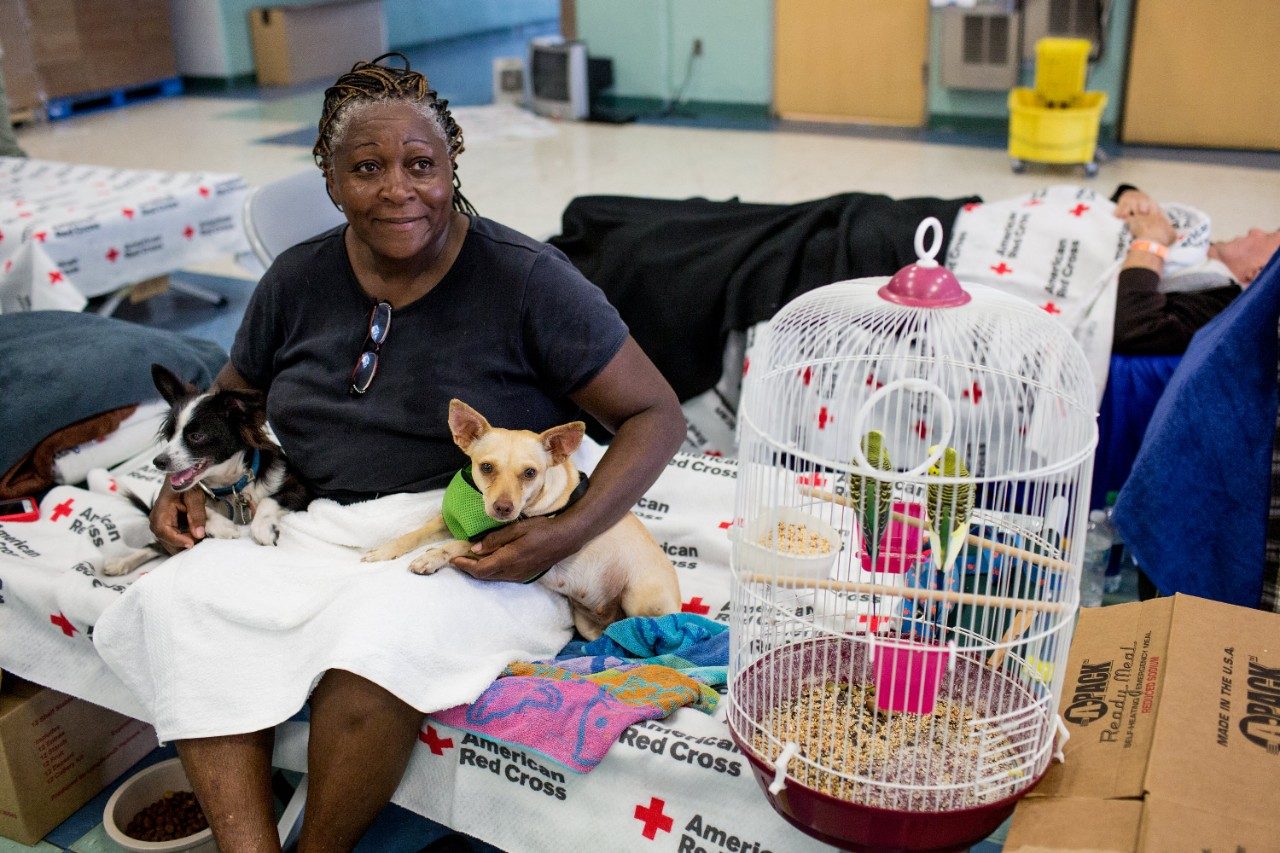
{"x":631,"y":398}
{"x":1149,"y":322}
{"x":171,"y":507}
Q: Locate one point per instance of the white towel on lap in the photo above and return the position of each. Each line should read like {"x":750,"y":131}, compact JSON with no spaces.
{"x":231,"y":636}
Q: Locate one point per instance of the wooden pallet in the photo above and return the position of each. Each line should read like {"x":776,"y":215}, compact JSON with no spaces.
{"x":74,"y":105}
{"x":26,"y":115}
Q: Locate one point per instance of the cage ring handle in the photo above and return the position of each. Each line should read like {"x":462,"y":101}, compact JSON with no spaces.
{"x":928,"y":257}
{"x":919,"y":386}
{"x":789,"y":749}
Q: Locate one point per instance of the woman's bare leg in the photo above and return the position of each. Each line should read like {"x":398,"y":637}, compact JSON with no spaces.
{"x":231,"y":776}
{"x":360,"y":742}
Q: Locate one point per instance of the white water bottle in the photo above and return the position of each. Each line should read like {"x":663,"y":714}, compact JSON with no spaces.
{"x":1097,"y":553}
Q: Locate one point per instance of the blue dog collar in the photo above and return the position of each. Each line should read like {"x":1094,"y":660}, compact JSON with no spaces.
{"x":241,"y":484}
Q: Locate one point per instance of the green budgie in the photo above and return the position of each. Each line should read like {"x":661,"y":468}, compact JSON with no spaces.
{"x":950,"y":507}
{"x":872,"y":498}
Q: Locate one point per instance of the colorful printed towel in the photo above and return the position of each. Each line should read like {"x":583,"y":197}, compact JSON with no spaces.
{"x":572,"y":709}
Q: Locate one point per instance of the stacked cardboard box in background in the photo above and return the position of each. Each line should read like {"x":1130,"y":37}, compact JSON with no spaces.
{"x":1173,"y":706}
{"x":80,"y":47}
{"x":18,"y":65}
{"x":56,"y":753}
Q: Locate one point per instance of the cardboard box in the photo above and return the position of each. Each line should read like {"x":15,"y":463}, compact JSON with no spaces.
{"x":1173,"y":706}
{"x":56,"y":753}
{"x":89,"y":46}
{"x":301,"y":44}
{"x":21,"y":85}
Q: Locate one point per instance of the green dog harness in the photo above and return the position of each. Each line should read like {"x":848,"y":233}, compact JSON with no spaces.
{"x":463,"y":509}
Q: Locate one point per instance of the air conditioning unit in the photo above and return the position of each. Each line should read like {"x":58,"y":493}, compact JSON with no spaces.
{"x":1061,"y":18}
{"x":508,"y":80}
{"x":979,"y":47}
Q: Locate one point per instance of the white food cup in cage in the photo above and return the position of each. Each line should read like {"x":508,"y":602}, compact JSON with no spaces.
{"x":797,"y":553}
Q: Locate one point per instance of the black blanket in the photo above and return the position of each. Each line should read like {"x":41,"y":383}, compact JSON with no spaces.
{"x":684,"y":273}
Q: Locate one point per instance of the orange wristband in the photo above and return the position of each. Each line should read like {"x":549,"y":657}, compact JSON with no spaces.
{"x":1151,"y":247}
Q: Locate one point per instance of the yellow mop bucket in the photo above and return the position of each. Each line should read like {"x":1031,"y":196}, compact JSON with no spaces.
{"x":1057,"y":121}
{"x":1045,"y":134}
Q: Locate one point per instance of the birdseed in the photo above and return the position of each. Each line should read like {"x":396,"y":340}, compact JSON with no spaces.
{"x":839,"y":727}
{"x":788,"y":538}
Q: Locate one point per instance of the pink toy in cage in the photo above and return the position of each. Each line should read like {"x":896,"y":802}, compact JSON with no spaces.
{"x":907,"y":674}
{"x":901,"y":543}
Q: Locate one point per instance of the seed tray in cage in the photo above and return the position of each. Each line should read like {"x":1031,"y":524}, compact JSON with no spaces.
{"x":789,"y":542}
{"x":874,"y":779}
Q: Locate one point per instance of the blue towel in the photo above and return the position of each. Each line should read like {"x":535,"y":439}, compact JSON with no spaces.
{"x":694,"y":638}
{"x":1134,"y":386}
{"x":1194,"y":509}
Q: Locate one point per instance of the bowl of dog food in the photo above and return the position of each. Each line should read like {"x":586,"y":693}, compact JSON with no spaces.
{"x":785,"y":541}
{"x":154,"y":811}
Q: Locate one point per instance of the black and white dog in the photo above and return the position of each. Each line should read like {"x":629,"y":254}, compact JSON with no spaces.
{"x":217,"y":442}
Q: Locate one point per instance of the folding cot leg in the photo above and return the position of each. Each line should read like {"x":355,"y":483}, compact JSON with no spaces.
{"x":291,"y":820}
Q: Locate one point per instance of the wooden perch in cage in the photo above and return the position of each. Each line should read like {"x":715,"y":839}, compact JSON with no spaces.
{"x":972,"y":538}
{"x":952,"y":596}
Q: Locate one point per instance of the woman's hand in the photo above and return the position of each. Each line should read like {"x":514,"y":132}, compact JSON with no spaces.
{"x":1152,"y":225}
{"x":520,"y":551}
{"x":1133,"y":201}
{"x":167,"y":513}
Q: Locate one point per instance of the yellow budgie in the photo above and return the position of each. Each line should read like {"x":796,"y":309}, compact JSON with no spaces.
{"x":873,"y":498}
{"x":950,"y":506}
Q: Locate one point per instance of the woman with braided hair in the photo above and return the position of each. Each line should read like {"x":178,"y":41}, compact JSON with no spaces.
{"x":429,"y":301}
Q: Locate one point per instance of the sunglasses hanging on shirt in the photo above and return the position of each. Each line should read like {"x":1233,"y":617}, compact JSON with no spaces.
{"x":367,"y":364}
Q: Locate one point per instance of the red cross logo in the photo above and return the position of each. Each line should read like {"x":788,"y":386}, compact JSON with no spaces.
{"x":54,"y":276}
{"x":204,"y":192}
{"x":824,"y":418}
{"x":1078,"y":210}
{"x":815,"y":479}
{"x":128,"y":212}
{"x":1051,"y":308}
{"x":62,"y":510}
{"x":872,"y":382}
{"x":1002,"y":268}
{"x":436,"y":743}
{"x":40,"y":235}
{"x":973,"y":205}
{"x":64,"y":623}
{"x":1033,"y":202}
{"x":653,"y":818}
{"x":188,"y":232}
{"x":725,"y":525}
{"x":112,"y":254}
{"x":713,"y":453}
{"x":973,"y":392}
{"x":695,"y":605}
{"x":746,"y":365}
{"x":922,"y":429}
{"x":807,"y":375}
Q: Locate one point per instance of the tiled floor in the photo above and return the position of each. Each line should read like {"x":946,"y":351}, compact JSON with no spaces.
{"x":525,"y":183}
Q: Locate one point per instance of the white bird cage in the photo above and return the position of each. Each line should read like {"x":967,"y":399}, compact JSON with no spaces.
{"x":897,"y":655}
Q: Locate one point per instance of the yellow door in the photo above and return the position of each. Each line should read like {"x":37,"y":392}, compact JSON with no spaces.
{"x":851,"y":60}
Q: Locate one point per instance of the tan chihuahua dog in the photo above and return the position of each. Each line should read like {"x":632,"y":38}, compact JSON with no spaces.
{"x":520,"y":473}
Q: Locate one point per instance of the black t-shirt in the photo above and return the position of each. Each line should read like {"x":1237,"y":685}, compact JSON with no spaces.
{"x":512,"y":329}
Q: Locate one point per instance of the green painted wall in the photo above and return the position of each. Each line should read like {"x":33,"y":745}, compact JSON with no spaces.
{"x":650,"y":41}
{"x":409,"y":22}
{"x":1107,"y":75}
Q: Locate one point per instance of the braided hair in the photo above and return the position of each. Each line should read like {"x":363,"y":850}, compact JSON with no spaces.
{"x":372,"y":82}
